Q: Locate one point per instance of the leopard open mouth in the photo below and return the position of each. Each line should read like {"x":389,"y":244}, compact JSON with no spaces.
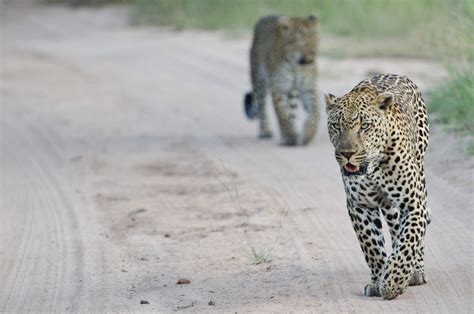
{"x":352,"y":170}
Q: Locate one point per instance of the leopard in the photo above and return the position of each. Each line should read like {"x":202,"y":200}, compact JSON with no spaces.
{"x":380,"y":133}
{"x":283,"y":63}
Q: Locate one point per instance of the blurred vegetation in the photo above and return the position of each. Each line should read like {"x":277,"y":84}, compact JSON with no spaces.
{"x":85,"y":2}
{"x":453,"y":100}
{"x":453,"y":103}
{"x":419,"y":28}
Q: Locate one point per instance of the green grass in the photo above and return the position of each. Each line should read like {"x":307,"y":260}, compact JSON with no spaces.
{"x":417,"y":28}
{"x":85,"y":2}
{"x":366,"y":18}
{"x":453,"y":103}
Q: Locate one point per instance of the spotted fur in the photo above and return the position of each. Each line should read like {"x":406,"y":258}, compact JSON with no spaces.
{"x":282,"y":61}
{"x":380,"y":133}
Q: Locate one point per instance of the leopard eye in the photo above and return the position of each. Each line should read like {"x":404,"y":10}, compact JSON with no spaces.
{"x":365,"y":126}
{"x":335,"y":126}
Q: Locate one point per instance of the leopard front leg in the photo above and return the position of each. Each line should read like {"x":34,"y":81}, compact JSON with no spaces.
{"x":419,"y":275}
{"x":263,"y":126}
{"x":285,"y":121}
{"x":368,"y":227}
{"x":405,"y":265}
{"x":401,"y":266}
{"x":392,"y":215}
{"x":260,"y":89}
{"x":309,"y":99}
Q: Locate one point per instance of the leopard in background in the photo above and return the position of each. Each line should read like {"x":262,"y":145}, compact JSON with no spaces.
{"x":283,"y":62}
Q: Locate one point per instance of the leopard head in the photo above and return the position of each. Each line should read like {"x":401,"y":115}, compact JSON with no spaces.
{"x":297,"y":38}
{"x":358,"y":127}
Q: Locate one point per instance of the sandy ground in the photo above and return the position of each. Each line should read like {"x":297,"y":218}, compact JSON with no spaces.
{"x":111,"y":137}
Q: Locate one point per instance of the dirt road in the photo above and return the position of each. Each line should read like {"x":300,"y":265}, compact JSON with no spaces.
{"x":111,"y":137}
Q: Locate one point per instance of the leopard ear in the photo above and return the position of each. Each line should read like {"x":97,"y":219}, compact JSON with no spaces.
{"x":283,"y":23}
{"x":313,"y":20}
{"x":330,"y":100}
{"x":385,"y":100}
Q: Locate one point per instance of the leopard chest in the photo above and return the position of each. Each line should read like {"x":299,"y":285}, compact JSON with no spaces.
{"x":361,"y":190}
{"x":290,"y":77}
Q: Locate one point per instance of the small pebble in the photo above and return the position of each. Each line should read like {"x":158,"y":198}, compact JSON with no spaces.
{"x":183,"y":281}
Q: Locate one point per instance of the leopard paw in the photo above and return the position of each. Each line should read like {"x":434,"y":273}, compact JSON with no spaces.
{"x":265,"y":134}
{"x":289,"y":140}
{"x":372,"y":290}
{"x":418,"y":278}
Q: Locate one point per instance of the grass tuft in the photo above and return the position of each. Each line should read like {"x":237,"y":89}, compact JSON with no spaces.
{"x":257,"y":255}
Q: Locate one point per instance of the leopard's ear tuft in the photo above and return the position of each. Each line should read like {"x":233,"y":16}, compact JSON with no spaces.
{"x":313,"y":20}
{"x":330,"y":100}
{"x":385,"y":100}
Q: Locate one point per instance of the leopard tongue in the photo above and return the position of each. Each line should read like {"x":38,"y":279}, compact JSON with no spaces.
{"x":351,"y":168}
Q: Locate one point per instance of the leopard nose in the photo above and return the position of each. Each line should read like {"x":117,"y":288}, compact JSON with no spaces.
{"x":348,"y":155}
